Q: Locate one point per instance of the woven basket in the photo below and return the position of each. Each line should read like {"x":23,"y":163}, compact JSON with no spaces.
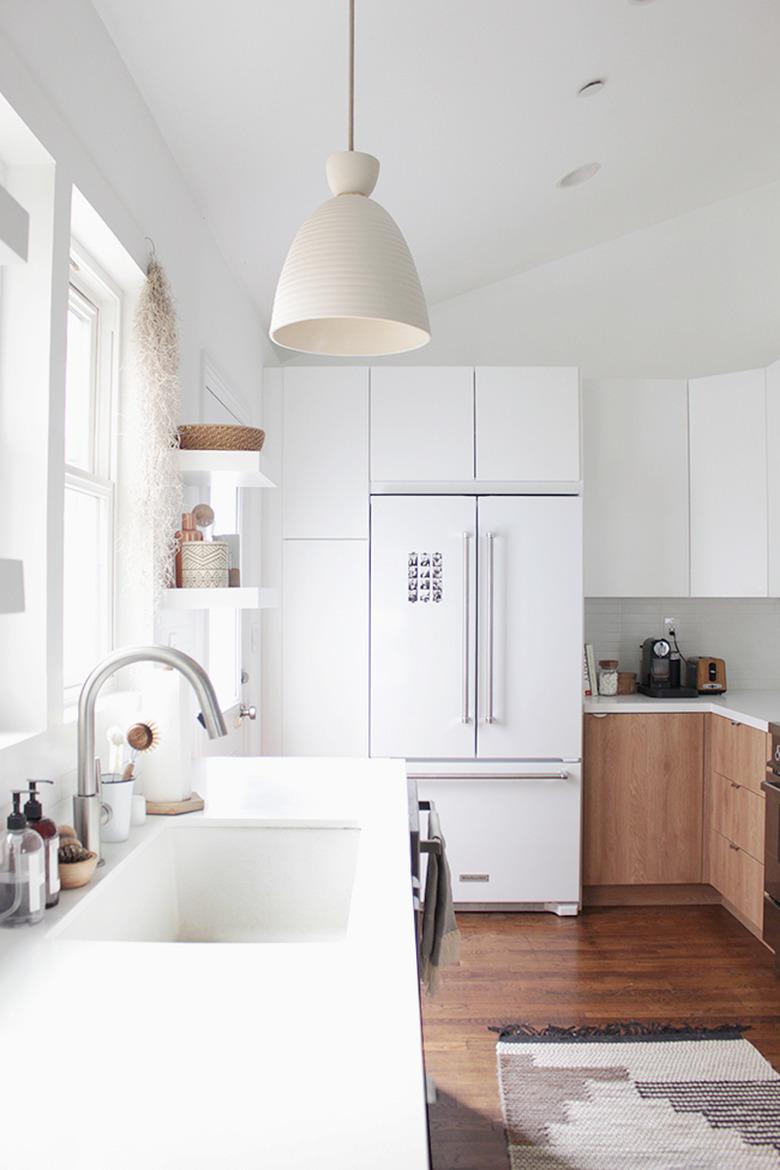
{"x":220,"y":437}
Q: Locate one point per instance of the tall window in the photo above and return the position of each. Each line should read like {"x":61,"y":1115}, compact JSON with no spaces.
{"x":90,"y":410}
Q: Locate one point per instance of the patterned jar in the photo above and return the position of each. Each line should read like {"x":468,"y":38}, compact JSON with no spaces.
{"x":204,"y":565}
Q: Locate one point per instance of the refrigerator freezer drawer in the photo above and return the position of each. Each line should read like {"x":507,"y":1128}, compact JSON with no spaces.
{"x":511,"y":841}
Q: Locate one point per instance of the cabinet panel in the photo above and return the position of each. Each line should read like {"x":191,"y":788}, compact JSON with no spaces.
{"x":325,"y":648}
{"x":530,"y":627}
{"x":635,"y":468}
{"x":738,"y":877}
{"x":729,"y":555}
{"x":738,"y":814}
{"x":326,"y":452}
{"x":422,"y":423}
{"x":517,"y":835}
{"x":528,"y":423}
{"x":738,"y":752}
{"x":643,"y":798}
{"x":423,"y":630}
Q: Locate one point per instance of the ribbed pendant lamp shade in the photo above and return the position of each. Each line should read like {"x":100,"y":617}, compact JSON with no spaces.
{"x":349,"y":286}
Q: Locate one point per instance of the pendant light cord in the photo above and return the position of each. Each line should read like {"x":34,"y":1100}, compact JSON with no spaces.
{"x":351,"y":119}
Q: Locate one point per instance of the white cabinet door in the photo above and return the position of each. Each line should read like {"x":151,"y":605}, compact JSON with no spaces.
{"x":528,"y":423}
{"x":422,"y":423}
{"x":422,"y":626}
{"x":728,"y":485}
{"x":635,"y":443}
{"x":530,"y":627}
{"x":326,"y":452}
{"x":773,"y":472}
{"x":325,"y":648}
{"x":511,"y":841}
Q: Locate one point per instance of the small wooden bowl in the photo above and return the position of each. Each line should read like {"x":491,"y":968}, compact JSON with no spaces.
{"x":77,"y":873}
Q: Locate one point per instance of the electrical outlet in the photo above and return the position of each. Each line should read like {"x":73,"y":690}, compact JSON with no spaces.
{"x":670,"y":626}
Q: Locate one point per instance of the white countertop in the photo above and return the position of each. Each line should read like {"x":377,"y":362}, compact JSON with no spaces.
{"x":239,"y":1056}
{"x":755,"y":708}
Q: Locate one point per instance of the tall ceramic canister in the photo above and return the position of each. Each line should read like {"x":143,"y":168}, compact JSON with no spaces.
{"x":164,"y":772}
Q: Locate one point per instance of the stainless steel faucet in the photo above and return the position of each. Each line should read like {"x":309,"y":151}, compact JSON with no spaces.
{"x":87,"y":804}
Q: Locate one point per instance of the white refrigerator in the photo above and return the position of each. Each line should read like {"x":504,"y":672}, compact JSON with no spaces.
{"x":476,"y":680}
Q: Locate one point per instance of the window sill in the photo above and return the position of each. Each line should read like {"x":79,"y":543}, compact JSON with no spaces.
{"x":9,"y":739}
{"x":103,"y":703}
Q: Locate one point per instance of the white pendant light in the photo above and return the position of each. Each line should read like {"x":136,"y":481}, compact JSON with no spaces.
{"x":349,"y":287}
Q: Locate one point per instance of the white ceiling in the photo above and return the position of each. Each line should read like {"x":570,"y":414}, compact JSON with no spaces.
{"x":472,"y":109}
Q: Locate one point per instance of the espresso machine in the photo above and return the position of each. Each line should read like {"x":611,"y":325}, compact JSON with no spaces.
{"x":660,"y":674}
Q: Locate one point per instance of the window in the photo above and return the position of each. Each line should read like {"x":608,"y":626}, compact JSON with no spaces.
{"x":90,"y":399}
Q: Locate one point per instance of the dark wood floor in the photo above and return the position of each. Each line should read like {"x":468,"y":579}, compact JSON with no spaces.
{"x":672,"y":964}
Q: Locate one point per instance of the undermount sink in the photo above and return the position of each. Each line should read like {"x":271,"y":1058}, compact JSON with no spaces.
{"x":226,"y":884}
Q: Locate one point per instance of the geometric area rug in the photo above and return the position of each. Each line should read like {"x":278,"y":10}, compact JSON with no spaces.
{"x":637,"y":1097}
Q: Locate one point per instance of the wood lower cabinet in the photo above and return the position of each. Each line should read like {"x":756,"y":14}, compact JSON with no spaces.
{"x":737,"y":751}
{"x":738,"y":877}
{"x":643,"y":799}
{"x":738,"y":814}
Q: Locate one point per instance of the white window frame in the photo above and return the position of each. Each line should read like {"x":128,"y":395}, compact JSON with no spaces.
{"x":95,"y":293}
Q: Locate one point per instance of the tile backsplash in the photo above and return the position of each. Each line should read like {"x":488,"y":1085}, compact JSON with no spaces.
{"x":743,"y":631}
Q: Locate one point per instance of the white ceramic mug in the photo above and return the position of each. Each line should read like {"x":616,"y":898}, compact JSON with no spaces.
{"x":118,"y":800}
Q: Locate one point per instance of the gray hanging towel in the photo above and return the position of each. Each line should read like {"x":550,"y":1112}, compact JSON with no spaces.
{"x":440,"y":941}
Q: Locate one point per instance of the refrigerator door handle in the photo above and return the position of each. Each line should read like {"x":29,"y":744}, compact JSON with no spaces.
{"x":466,"y":712}
{"x":489,"y":589}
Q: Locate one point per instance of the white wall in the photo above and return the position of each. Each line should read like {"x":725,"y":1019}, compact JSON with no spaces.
{"x":744,"y":631}
{"x":690,"y":296}
{"x":63,"y":76}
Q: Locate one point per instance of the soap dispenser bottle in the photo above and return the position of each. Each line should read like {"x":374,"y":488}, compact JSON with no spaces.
{"x":46,"y":828}
{"x":22,"y":871}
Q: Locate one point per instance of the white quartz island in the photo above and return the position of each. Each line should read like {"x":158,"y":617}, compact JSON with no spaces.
{"x":280,"y":1055}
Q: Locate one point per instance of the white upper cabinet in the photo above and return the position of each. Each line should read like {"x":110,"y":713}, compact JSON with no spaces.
{"x":728,"y":499}
{"x":326,"y":452}
{"x":635,"y":444}
{"x":422,"y":423}
{"x":773,"y":472}
{"x":528,"y":424}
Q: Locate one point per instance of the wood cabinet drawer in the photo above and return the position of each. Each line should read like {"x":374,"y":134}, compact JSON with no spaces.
{"x":738,"y":752}
{"x":738,"y":814}
{"x":738,"y":877}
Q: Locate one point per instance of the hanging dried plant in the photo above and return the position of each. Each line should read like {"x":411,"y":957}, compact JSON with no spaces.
{"x":159,"y":496}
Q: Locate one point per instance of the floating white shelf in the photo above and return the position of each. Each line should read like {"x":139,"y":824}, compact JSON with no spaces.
{"x":243,"y":468}
{"x":244,"y":597}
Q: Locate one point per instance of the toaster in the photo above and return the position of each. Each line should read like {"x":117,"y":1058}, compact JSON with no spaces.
{"x":707,"y":675}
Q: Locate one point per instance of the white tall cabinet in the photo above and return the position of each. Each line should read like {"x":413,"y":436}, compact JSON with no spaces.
{"x":635,"y":444}
{"x":728,"y":501}
{"x":324,"y":639}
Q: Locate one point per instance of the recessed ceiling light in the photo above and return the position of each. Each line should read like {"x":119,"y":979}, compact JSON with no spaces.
{"x":592,"y":87}
{"x":579,"y":175}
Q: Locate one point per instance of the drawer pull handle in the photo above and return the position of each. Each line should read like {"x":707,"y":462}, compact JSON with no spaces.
{"x":734,"y":785}
{"x":733,"y":846}
{"x":735,"y":723}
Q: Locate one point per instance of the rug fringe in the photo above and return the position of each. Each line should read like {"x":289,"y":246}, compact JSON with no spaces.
{"x":618,"y":1030}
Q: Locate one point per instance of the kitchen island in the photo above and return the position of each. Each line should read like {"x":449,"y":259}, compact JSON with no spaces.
{"x":278,"y":1054}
